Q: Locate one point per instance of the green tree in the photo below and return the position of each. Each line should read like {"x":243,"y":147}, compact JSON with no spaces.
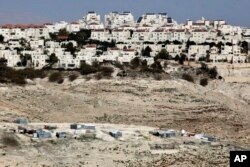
{"x":219,"y":46}
{"x":182,"y":59}
{"x":163,"y":54}
{"x":146,"y":52}
{"x":135,"y":62}
{"x":70,"y":48}
{"x":24,"y":59}
{"x":189,"y":43}
{"x":3,"y":62}
{"x":244,"y":46}
{"x":81,"y":36}
{"x":52,"y":60}
{"x":177,"y":57}
{"x":1,"y":38}
{"x":63,"y":32}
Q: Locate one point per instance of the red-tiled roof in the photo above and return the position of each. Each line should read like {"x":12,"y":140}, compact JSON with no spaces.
{"x":128,"y":50}
{"x":90,"y":46}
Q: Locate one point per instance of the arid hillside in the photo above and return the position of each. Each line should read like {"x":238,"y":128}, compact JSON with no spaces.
{"x":220,"y":109}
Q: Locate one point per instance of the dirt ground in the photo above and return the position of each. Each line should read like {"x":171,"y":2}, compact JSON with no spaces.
{"x":220,"y":109}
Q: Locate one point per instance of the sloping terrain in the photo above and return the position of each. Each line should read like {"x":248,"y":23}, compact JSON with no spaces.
{"x":220,"y":109}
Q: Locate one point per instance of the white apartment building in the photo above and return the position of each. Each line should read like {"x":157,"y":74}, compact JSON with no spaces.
{"x":200,"y":35}
{"x":35,"y":44}
{"x":175,"y":50}
{"x":126,"y":55}
{"x":159,"y":34}
{"x":101,"y":35}
{"x":11,"y":56}
{"x":116,"y":20}
{"x":154,"y":20}
{"x":55,"y":27}
{"x":120,"y":35}
{"x":66,"y":60}
{"x":91,"y":21}
{"x":73,"y":27}
{"x":38,"y":60}
{"x":27,"y":32}
{"x":141,"y":35}
{"x":197,"y":51}
{"x":181,"y":35}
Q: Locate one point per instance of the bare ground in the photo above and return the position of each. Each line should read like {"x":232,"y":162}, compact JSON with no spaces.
{"x":220,"y":109}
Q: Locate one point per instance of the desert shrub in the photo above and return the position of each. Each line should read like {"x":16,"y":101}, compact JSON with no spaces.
{"x":220,"y":77}
{"x":106,"y":71}
{"x":157,"y":77}
{"x":135,"y":62}
{"x":9,"y":75}
{"x":87,"y":78}
{"x":9,"y":140}
{"x":96,"y":65}
{"x":86,"y":69}
{"x":31,"y":73}
{"x":98,"y":76}
{"x":182,"y":59}
{"x":73,"y":77}
{"x":56,"y":77}
{"x":60,"y":81}
{"x":213,"y":73}
{"x":119,"y":65}
{"x":204,"y":82}
{"x":188,"y":78}
{"x":156,"y":67}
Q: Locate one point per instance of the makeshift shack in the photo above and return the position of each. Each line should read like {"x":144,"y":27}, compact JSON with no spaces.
{"x":163,"y":133}
{"x":23,"y":121}
{"x":115,"y":133}
{"x":205,"y":137}
{"x":41,"y":134}
{"x":76,"y":126}
{"x":88,"y":127}
{"x":61,"y":134}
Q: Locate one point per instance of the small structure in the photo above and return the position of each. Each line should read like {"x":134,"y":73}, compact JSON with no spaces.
{"x":163,"y":133}
{"x":23,"y":121}
{"x":76,"y":126}
{"x":24,"y":130}
{"x":41,"y":134}
{"x":21,"y":129}
{"x":50,"y":127}
{"x":61,"y":134}
{"x":88,"y":127}
{"x":205,"y":137}
{"x":115,"y":133}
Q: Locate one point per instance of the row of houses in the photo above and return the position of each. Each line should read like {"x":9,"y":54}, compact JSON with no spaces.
{"x":40,"y":52}
{"x":155,"y":30}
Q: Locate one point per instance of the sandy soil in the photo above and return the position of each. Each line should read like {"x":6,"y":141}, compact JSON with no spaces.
{"x":220,"y":109}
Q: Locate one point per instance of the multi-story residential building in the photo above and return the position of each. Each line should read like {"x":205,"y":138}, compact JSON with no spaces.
{"x":197,"y":51}
{"x":101,"y":35}
{"x":35,"y":44}
{"x":181,"y":35}
{"x":91,"y":21}
{"x":159,"y":34}
{"x":153,"y":30}
{"x":73,"y":27}
{"x":120,"y":35}
{"x":126,"y":55}
{"x":155,"y":20}
{"x":141,"y":35}
{"x":117,"y":20}
{"x":175,"y":50}
{"x":200,"y":35}
{"x":55,"y":27}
